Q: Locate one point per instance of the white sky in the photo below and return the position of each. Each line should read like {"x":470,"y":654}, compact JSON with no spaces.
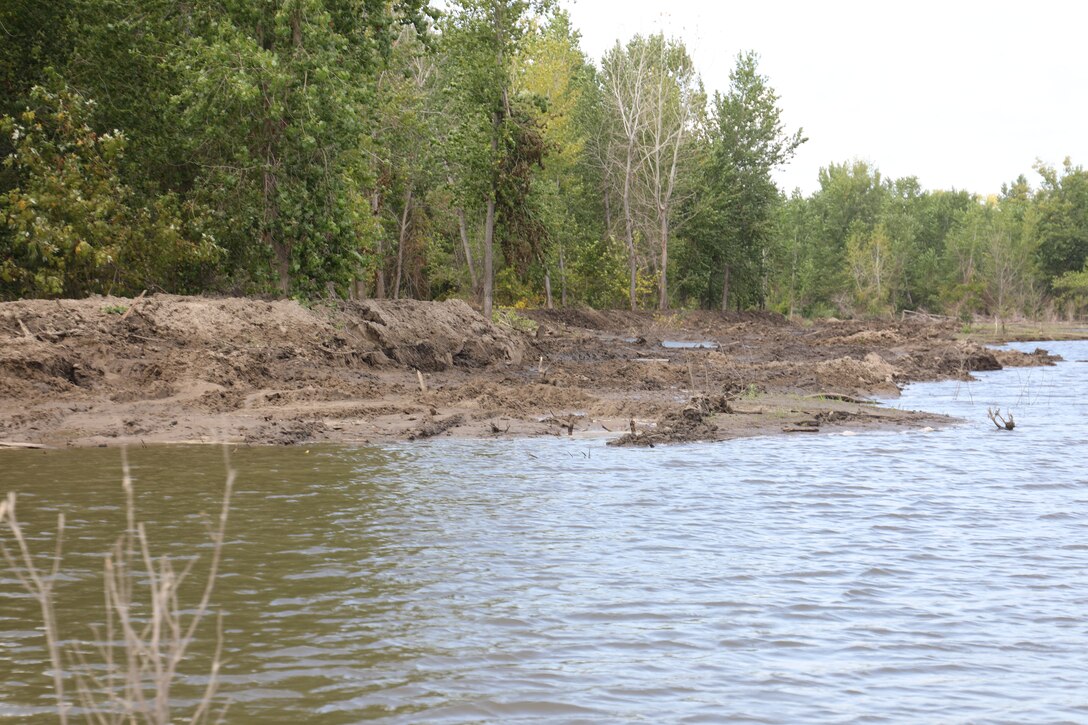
{"x":962,"y":93}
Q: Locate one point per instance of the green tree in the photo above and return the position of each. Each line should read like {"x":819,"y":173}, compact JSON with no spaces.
{"x":274,"y":106}
{"x":73,"y":226}
{"x":1063,"y":219}
{"x":748,"y":141}
{"x":495,"y":144}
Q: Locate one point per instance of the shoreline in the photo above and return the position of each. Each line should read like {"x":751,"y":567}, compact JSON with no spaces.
{"x":194,"y":370}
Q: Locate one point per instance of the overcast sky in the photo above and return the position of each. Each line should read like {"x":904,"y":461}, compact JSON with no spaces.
{"x":961,"y":94}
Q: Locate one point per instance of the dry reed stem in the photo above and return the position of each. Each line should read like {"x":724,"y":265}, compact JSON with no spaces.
{"x":151,"y":650}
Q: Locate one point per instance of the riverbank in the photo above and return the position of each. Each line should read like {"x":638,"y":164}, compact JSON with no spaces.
{"x":168,"y":369}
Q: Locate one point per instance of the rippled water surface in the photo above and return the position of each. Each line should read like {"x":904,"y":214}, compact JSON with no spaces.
{"x":880,"y":577}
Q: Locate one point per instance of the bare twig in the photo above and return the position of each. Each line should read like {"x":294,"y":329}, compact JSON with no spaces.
{"x":133,"y":678}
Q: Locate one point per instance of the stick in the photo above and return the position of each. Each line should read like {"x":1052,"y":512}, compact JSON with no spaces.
{"x":422,"y":384}
{"x":132,"y":307}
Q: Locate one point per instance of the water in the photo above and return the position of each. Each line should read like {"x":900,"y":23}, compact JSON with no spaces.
{"x":690,"y":345}
{"x":880,"y":577}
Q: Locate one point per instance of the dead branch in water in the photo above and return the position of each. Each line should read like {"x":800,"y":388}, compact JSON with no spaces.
{"x":999,"y":420}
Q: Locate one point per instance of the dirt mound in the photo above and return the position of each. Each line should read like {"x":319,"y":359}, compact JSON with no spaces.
{"x":430,"y":336}
{"x":67,"y":344}
{"x":847,"y":375}
{"x":192,"y":369}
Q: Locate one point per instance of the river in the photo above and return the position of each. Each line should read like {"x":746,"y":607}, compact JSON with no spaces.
{"x":922,"y":576}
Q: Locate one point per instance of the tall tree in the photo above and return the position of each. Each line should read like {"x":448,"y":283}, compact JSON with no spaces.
{"x":749,"y":141}
{"x":625,"y":74}
{"x":675,"y":103}
{"x":552,"y":71}
{"x":1063,"y":219}
{"x":275,"y":101}
{"x":483,"y":37}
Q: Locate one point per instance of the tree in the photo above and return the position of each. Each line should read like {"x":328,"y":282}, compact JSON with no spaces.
{"x":552,"y":72}
{"x":74,"y":227}
{"x":748,"y":142}
{"x":653,"y":100}
{"x":403,"y":153}
{"x":1063,"y":219}
{"x":483,"y":37}
{"x":624,"y":77}
{"x":275,"y":101}
{"x":675,"y":100}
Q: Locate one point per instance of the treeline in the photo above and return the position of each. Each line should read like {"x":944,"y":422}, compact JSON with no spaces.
{"x":377,"y":148}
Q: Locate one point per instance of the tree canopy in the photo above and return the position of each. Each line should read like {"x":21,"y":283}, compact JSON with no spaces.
{"x":385,"y":148}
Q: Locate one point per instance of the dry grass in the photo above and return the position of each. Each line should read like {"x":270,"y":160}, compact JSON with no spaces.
{"x":133,"y":663}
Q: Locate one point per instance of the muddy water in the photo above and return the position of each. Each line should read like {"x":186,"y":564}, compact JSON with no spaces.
{"x":883,"y":577}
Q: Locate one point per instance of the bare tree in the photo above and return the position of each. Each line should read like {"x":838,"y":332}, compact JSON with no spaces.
{"x":673,"y":95}
{"x":652,"y":94}
{"x":624,"y":73}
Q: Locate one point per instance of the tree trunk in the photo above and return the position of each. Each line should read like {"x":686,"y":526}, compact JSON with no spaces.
{"x":463,"y":227}
{"x":400,"y":242}
{"x":607,"y":212}
{"x":663,"y":286}
{"x":489,"y":240}
{"x":379,"y":273}
{"x":629,"y":230}
{"x":280,"y":247}
{"x":283,"y":265}
{"x":562,"y":278}
{"x":548,"y":288}
{"x":725,"y":287}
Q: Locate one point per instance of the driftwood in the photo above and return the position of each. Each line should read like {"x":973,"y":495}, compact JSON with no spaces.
{"x":16,"y":444}
{"x":999,"y":420}
{"x":567,"y":424}
{"x":840,"y":397}
{"x":436,"y":428}
{"x":924,"y":316}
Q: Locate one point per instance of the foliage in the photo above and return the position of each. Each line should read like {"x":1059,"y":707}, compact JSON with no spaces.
{"x":72,"y":227}
{"x":1063,"y":219}
{"x":735,"y":221}
{"x":509,"y":317}
{"x":287,"y":146}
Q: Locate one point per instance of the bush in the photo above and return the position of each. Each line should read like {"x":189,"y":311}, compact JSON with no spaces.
{"x":71,"y":227}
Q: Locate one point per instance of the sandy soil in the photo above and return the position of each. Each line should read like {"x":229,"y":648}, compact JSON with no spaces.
{"x":168,"y":369}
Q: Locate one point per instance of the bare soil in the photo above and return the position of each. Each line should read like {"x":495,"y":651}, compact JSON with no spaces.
{"x":169,"y":369}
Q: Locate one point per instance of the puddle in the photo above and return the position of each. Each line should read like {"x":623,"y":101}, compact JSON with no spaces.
{"x":690,"y":345}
